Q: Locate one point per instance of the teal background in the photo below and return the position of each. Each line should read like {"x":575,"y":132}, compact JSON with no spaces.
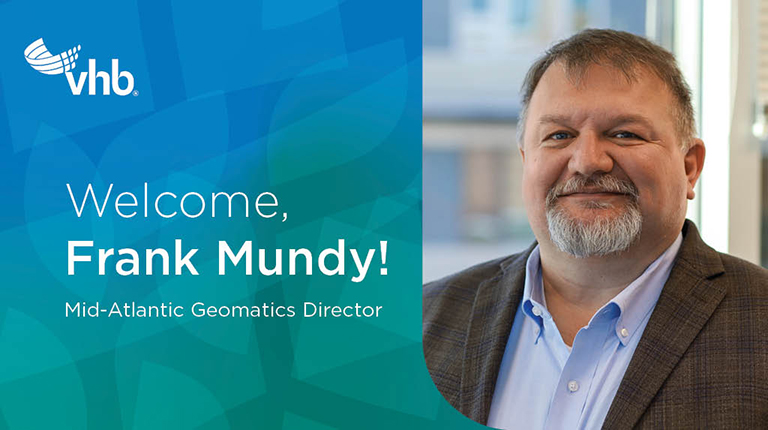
{"x":316,"y":101}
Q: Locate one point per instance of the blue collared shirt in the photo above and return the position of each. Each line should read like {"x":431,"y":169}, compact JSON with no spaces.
{"x":544,"y":384}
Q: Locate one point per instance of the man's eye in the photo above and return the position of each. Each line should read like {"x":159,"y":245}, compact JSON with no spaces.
{"x":560,"y":135}
{"x":626,"y":135}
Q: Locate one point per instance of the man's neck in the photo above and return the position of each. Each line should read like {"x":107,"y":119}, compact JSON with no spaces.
{"x":575,"y":288}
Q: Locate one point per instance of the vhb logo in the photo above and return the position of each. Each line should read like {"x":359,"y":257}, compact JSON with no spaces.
{"x":40,"y":59}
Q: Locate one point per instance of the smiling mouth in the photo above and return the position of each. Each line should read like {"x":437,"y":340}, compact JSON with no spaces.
{"x":598,"y":189}
{"x":594,"y":194}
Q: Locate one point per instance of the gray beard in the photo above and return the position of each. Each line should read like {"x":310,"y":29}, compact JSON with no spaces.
{"x":596,"y":237}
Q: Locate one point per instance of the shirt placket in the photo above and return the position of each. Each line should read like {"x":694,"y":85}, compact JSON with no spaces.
{"x":576,"y":377}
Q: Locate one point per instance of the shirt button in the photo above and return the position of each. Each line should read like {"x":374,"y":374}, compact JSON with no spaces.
{"x":573,"y":386}
{"x":624,"y":332}
{"x":536,"y":311}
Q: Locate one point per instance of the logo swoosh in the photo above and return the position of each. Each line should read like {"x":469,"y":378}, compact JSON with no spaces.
{"x":38,"y":56}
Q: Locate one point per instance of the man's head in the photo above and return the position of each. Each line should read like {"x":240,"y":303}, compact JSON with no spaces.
{"x":607,"y":141}
{"x":626,"y":53}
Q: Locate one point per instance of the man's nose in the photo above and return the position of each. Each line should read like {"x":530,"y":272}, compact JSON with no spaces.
{"x":590,"y":155}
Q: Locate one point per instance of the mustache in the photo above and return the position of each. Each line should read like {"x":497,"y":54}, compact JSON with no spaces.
{"x":592,"y":184}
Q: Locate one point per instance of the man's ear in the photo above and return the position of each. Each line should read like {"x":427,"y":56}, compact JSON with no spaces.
{"x":522,"y":153}
{"x":694,"y":162}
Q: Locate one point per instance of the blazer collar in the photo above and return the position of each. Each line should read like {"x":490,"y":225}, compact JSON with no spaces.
{"x":493,"y":312}
{"x":686,"y":303}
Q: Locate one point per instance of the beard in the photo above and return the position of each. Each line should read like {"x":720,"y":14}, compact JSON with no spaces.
{"x":601,"y":234}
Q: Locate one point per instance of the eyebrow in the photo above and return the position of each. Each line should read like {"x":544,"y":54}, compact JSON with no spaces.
{"x":617,"y":120}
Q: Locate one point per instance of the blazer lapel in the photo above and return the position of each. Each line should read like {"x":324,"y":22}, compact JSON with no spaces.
{"x":493,"y":312}
{"x":686,"y":303}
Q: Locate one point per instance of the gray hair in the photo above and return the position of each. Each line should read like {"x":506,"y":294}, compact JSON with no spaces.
{"x":626,"y":53}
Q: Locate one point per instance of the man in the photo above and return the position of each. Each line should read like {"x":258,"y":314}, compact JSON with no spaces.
{"x":620,"y":316}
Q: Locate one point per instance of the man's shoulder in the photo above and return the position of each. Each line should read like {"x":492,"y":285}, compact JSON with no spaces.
{"x":736,"y":276}
{"x":743,"y":267}
{"x":735,"y":289}
{"x":465,"y":282}
{"x":725,"y":315}
{"x":448,"y":305}
{"x":469,"y":277}
{"x":745,"y":297}
{"x":744,"y":277}
{"x":453,"y":295}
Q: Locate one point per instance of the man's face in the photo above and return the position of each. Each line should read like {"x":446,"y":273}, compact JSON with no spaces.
{"x":602,"y":157}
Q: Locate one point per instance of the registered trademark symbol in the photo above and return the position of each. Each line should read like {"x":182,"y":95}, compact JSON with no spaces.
{"x":135,"y":93}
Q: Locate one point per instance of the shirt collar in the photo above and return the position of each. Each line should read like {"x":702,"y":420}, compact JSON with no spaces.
{"x":634,"y":302}
{"x":534,"y":305}
{"x":638,"y":299}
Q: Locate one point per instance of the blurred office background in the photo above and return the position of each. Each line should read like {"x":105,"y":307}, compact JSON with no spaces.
{"x":476,"y":53}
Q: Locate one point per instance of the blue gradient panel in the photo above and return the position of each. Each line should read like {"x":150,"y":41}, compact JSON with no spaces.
{"x":317,"y":102}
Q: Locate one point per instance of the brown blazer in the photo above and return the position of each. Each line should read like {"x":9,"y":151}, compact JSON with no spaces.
{"x":702,"y":361}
